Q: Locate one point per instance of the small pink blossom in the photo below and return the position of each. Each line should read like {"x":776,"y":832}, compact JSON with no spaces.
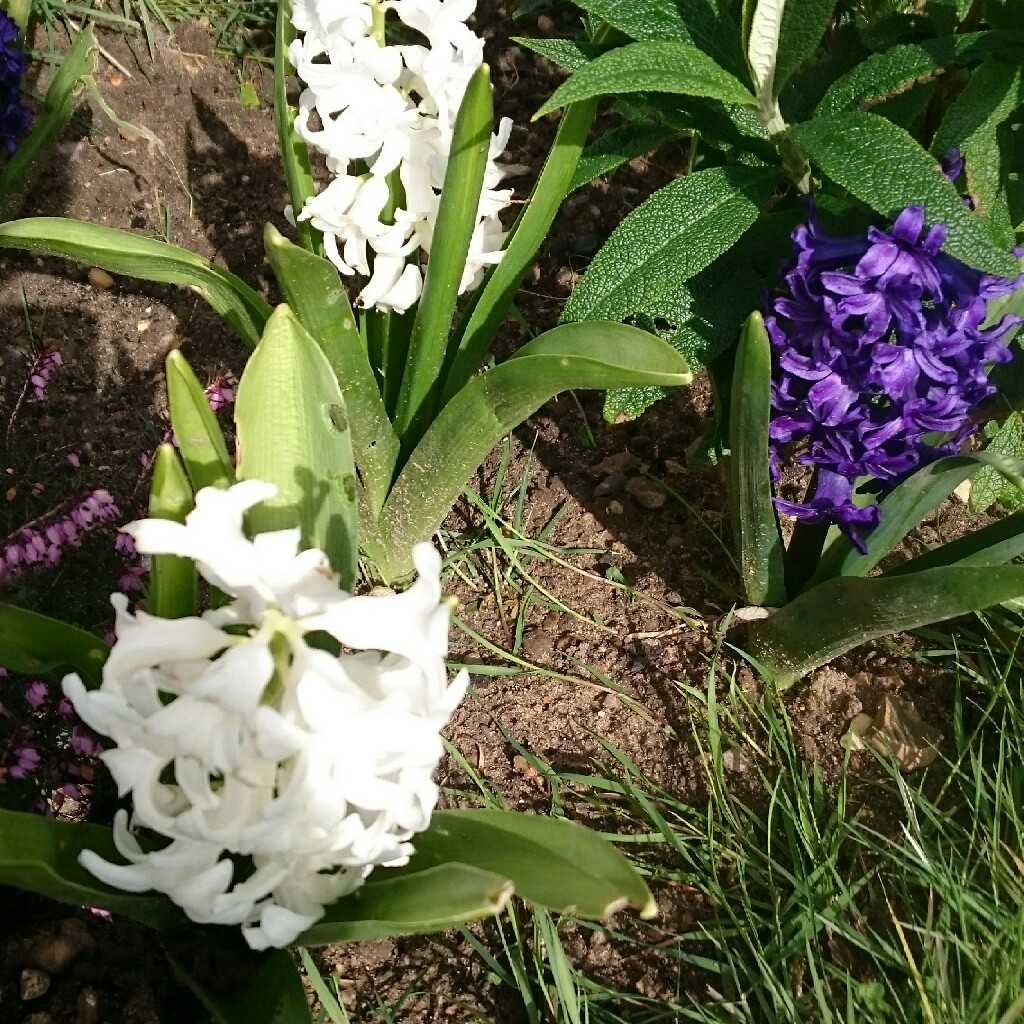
{"x":36,"y":694}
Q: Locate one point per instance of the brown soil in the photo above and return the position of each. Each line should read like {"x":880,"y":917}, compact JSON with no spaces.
{"x":210,"y":186}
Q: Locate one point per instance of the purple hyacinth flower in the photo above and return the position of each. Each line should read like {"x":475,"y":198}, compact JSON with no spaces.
{"x":14,"y":115}
{"x":833,"y":504}
{"x":952,"y":164}
{"x":877,"y":344}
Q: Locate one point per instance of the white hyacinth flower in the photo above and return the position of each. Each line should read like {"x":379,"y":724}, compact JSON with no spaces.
{"x":390,"y":108}
{"x":236,"y":738}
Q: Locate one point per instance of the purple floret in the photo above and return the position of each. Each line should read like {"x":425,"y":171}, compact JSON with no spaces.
{"x":877,"y":343}
{"x":14,"y":115}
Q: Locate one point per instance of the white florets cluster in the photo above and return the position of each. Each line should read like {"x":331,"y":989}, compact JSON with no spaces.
{"x":387,"y":108}
{"x":236,"y":737}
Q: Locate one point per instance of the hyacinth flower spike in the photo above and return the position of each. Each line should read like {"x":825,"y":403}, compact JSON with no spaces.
{"x":877,"y":345}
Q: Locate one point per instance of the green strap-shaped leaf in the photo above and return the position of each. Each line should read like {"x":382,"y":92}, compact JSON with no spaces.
{"x":883,"y":166}
{"x":841,"y":614}
{"x":993,"y":93}
{"x":885,"y":75}
{"x":552,"y":862}
{"x":907,"y":506}
{"x":656,"y":65}
{"x":293,"y":432}
{"x":172,"y":580}
{"x":41,"y":855}
{"x":456,"y":222}
{"x":148,"y":259}
{"x":200,"y":439}
{"x":590,"y":355}
{"x":487,"y":308}
{"x":313,"y":289}
{"x":294,"y":153}
{"x":665,"y":241}
{"x":35,"y":644}
{"x":275,"y":995}
{"x":393,"y":903}
{"x":754,"y":519}
{"x":62,"y":98}
{"x":995,"y":544}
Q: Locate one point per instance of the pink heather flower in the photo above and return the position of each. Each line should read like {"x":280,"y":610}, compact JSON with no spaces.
{"x":27,"y":760}
{"x":36,"y":694}
{"x":74,"y":460}
{"x":124,"y":544}
{"x":131,"y":579}
{"x":45,"y":544}
{"x":42,"y":369}
{"x":219,"y":394}
{"x":65,"y":708}
{"x":83,"y":744}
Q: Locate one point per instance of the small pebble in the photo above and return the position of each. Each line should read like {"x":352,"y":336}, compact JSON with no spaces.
{"x":87,"y":1007}
{"x":34,"y":983}
{"x":99,"y":278}
{"x":646,"y":492}
{"x":54,"y":953}
{"x":611,"y":484}
{"x":615,"y":508}
{"x":620,"y":462}
{"x":586,"y":244}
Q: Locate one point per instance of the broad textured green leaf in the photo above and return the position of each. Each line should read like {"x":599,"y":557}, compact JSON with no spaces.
{"x":885,"y":75}
{"x":293,"y":432}
{"x":294,"y":153}
{"x":642,"y":19}
{"x":550,"y":861}
{"x":973,"y":121}
{"x":729,"y":127}
{"x":708,"y":24}
{"x":41,"y":855}
{"x":995,"y":544}
{"x":172,"y":580}
{"x":989,"y":485}
{"x":196,"y":430}
{"x":841,"y":614}
{"x":456,"y":222}
{"x":589,"y":355}
{"x":570,"y":54}
{"x":35,"y":644}
{"x":862,"y":151}
{"x":665,"y":241}
{"x":717,"y":302}
{"x":62,"y":97}
{"x":491,"y":302}
{"x":314,"y":291}
{"x":907,"y":506}
{"x":393,"y":903}
{"x":755,"y":523}
{"x":275,"y":995}
{"x":148,"y":259}
{"x":611,"y":151}
{"x":651,"y":66}
{"x":1002,"y":14}
{"x":803,"y":24}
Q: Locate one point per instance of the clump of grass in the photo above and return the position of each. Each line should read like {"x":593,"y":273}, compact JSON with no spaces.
{"x":813,"y":913}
